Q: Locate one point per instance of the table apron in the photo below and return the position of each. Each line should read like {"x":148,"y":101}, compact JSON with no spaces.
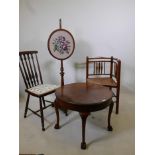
{"x":82,"y":108}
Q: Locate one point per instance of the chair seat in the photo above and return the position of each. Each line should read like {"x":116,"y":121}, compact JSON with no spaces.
{"x":42,"y":89}
{"x":103,"y":81}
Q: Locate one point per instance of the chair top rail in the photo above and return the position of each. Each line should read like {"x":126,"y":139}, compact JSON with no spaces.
{"x":99,"y":58}
{"x":92,"y":61}
{"x":90,"y":74}
{"x":27,"y":52}
{"x":103,"y":58}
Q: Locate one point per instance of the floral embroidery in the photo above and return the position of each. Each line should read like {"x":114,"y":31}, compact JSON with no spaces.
{"x":61,"y":45}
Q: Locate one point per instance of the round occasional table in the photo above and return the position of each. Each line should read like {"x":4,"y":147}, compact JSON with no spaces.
{"x":84,"y":98}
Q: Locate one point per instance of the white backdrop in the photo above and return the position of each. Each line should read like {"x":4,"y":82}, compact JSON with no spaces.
{"x":99,"y":27}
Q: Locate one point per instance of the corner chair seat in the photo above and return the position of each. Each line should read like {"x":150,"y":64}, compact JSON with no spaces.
{"x":103,"y":81}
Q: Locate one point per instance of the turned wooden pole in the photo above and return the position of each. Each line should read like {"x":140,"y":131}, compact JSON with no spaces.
{"x":60,"y":26}
{"x":61,"y":68}
{"x":62,"y":73}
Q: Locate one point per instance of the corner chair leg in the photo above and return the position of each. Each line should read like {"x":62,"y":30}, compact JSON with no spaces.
{"x":42,"y":114}
{"x":117,"y":101}
{"x":117,"y":107}
{"x":27,"y":104}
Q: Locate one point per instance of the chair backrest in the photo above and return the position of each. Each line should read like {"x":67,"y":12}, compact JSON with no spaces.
{"x":30,"y":69}
{"x":104,"y":67}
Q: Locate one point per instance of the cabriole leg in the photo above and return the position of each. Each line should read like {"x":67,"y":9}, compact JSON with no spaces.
{"x":109,"y":116}
{"x":83,"y":117}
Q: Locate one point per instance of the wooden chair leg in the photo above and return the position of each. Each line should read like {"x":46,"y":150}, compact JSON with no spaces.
{"x":52,"y":104}
{"x":56,"y":105}
{"x":27,"y":104}
{"x":117,"y":100}
{"x":43,"y":101}
{"x":42,"y":114}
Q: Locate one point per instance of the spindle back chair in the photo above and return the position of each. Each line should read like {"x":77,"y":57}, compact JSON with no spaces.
{"x":31,"y":73}
{"x":105,"y":71}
